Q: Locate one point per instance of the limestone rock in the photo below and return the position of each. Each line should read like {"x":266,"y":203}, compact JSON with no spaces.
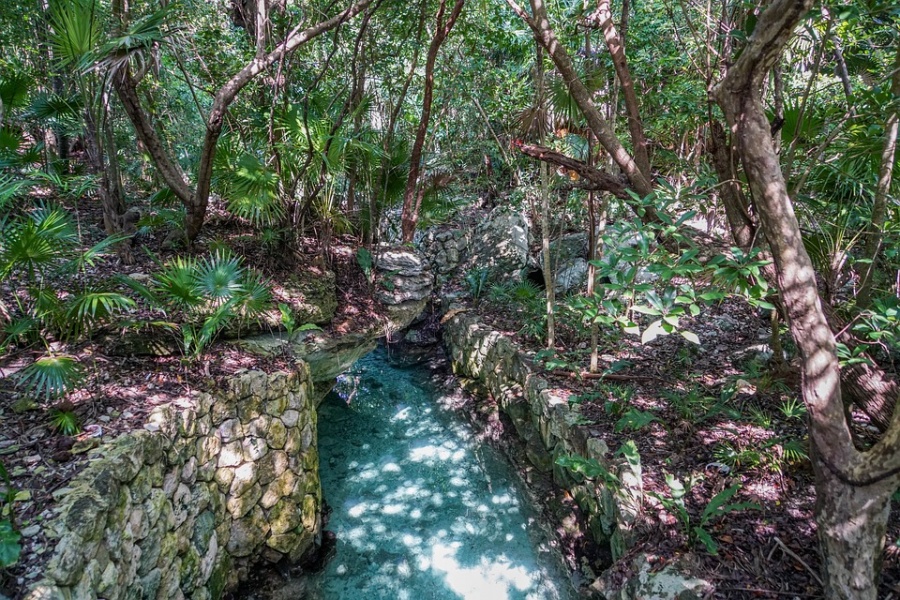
{"x":405,"y":282}
{"x":669,"y":583}
{"x":500,"y":243}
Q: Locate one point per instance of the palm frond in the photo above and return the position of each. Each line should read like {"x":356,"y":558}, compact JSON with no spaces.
{"x":14,"y":88}
{"x":91,"y":308}
{"x":37,"y":241}
{"x":76,"y":27}
{"x":52,"y":376}
{"x":219,"y":277}
{"x":177,"y":284}
{"x":142,"y":35}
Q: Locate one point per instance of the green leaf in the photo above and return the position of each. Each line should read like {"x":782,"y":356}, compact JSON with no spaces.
{"x":708,"y":542}
{"x":676,"y":488}
{"x":588,"y":467}
{"x":652,"y":332}
{"x":691,"y":337}
{"x":10,"y":545}
{"x":635,"y":419}
{"x":52,"y":376}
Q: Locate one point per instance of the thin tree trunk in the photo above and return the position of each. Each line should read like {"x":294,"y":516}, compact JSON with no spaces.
{"x":384,"y":172}
{"x":197,"y":201}
{"x":852,"y":487}
{"x":411,"y":200}
{"x":742,"y":227}
{"x":616,"y":46}
{"x":549,"y":283}
{"x":540,"y":26}
{"x":875,"y":230}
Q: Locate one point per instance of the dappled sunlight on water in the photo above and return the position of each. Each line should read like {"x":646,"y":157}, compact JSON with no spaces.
{"x":420,"y":508}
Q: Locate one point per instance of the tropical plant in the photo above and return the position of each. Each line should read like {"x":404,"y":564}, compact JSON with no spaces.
{"x":476,"y":279}
{"x":696,"y":529}
{"x":10,"y":538}
{"x":40,"y":247}
{"x":211,"y":294}
{"x":64,"y":421}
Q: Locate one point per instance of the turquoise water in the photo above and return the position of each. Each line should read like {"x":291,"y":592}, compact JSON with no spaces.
{"x":421,"y":509}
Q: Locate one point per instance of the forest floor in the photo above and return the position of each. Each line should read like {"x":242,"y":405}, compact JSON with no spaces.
{"x":718,"y":414}
{"x":712,"y":415}
{"x":118,"y":393}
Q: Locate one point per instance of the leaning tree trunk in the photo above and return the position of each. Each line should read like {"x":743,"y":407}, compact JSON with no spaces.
{"x":852,"y":487}
{"x":875,"y":230}
{"x":196,"y":201}
{"x":409,"y":217}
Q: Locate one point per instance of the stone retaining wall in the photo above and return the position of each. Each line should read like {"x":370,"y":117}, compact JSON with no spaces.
{"x":182,"y":509}
{"x":549,"y":427}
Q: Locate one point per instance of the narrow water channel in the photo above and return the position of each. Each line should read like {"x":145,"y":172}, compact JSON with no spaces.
{"x":421,"y":509}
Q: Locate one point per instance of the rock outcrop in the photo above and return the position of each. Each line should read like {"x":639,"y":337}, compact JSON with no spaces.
{"x":445,"y":249}
{"x":404,"y":283}
{"x":500,"y":243}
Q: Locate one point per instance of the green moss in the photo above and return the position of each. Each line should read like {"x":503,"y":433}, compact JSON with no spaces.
{"x":218,"y":580}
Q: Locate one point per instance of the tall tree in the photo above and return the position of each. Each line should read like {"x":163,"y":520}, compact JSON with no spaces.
{"x":853,"y":487}
{"x":196,"y":200}
{"x":412,"y":197}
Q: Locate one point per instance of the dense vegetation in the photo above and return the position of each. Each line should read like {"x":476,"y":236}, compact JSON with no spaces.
{"x":774,"y":125}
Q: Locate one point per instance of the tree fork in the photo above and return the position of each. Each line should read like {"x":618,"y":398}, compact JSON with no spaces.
{"x":851,"y":486}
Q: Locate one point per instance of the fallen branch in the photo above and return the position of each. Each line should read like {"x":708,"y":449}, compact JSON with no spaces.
{"x":794,"y":555}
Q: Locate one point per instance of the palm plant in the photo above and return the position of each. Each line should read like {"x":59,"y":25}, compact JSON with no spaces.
{"x":36,"y":248}
{"x":211,"y":294}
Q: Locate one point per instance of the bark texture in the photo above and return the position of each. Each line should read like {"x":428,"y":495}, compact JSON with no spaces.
{"x":589,"y":177}
{"x":543,"y":33}
{"x":196,"y":201}
{"x":852,"y":487}
{"x":616,"y":47}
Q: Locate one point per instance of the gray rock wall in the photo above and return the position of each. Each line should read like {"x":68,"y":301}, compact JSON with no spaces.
{"x":549,"y":427}
{"x":215,"y":483}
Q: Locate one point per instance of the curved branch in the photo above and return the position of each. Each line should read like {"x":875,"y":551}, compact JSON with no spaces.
{"x":593,"y":178}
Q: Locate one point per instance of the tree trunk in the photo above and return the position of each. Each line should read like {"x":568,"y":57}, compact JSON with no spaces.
{"x":540,"y":26}
{"x":742,"y":227}
{"x":852,"y":487}
{"x":411,"y":200}
{"x":616,"y":47}
{"x":851,"y":553}
{"x":875,"y":230}
{"x":545,"y":254}
{"x":197,"y":202}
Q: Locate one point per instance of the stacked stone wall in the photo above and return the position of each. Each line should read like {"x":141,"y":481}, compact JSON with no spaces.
{"x":549,"y":427}
{"x":215,"y":483}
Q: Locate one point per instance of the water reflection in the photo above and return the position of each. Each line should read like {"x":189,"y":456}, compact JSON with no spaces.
{"x":421,"y":510}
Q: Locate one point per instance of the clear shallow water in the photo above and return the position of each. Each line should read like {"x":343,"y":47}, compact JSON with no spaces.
{"x":421,"y":509}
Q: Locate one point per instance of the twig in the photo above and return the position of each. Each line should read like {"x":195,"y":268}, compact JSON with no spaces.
{"x":762,"y":591}
{"x":794,"y":555}
{"x":615,"y":376}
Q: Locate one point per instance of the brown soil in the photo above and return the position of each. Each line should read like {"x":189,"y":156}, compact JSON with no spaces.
{"x":719,"y":417}
{"x":118,"y":393}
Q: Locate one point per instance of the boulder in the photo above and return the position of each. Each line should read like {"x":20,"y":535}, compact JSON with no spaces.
{"x":500,"y":243}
